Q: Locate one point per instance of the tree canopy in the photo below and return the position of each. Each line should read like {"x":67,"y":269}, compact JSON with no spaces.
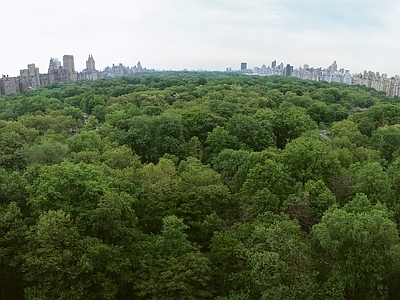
{"x":185,"y":185}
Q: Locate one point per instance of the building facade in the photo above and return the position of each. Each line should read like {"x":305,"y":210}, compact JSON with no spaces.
{"x":69,"y":65}
{"x":9,"y":85}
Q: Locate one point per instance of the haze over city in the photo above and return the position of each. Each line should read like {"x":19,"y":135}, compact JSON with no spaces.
{"x":202,"y":34}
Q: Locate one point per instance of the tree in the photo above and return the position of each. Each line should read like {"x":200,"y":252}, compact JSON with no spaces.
{"x":11,"y":154}
{"x":318,"y":112}
{"x":12,"y":246}
{"x":387,"y":140}
{"x":114,"y":220}
{"x":73,"y":188}
{"x":47,"y":152}
{"x":198,"y":122}
{"x":120,"y":158}
{"x":157,"y":184}
{"x":356,"y":246}
{"x":269,"y":259}
{"x":373,"y":181}
{"x":349,"y":129}
{"x":177,"y":270}
{"x":88,"y":140}
{"x":140,"y":138}
{"x":13,"y":188}
{"x":289,"y":123}
{"x":311,"y":158}
{"x":195,"y":148}
{"x":201,"y":199}
{"x":266,"y":186}
{"x":227,"y":163}
{"x":60,"y":264}
{"x":218,"y":140}
{"x":169,"y":136}
{"x":250,"y":133}
{"x":89,"y":101}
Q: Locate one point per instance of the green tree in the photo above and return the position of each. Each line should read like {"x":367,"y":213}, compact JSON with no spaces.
{"x":266,"y":186}
{"x":373,"y":181}
{"x":60,"y":264}
{"x":289,"y":123}
{"x":11,"y":154}
{"x":227,"y":163}
{"x":218,"y":140}
{"x":387,"y":140}
{"x":250,"y":133}
{"x":311,"y":158}
{"x":318,"y":112}
{"x":169,"y":136}
{"x":47,"y":152}
{"x":74,"y":188}
{"x":356,"y":246}
{"x":177,"y":270}
{"x":199,"y":122}
{"x":13,"y":232}
{"x":88,"y":140}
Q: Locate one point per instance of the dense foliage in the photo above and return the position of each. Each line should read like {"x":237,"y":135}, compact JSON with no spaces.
{"x":199,"y":186}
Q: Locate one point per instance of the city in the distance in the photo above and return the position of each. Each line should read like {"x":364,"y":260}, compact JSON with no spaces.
{"x":31,"y":78}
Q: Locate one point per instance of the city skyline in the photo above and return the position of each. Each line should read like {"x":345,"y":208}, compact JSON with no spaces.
{"x":31,"y":78}
{"x":202,"y":34}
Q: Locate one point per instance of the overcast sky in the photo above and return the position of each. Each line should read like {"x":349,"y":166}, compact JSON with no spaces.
{"x":202,"y":34}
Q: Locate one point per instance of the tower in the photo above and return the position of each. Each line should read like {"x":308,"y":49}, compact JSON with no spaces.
{"x":54,"y":65}
{"x":90,"y":64}
{"x":90,"y":72}
{"x":243,"y":66}
{"x":334,"y":67}
{"x":68,"y":64}
{"x":288,"y":71}
{"x":139,"y":67}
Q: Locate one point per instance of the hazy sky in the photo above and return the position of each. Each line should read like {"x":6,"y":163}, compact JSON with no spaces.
{"x":202,"y":34}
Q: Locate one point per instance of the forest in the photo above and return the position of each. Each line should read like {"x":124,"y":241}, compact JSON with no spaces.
{"x":184,"y":185}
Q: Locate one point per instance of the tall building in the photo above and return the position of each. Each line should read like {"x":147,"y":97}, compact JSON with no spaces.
{"x":54,"y":65}
{"x":273,"y":64}
{"x":139,"y":67}
{"x":90,"y":63}
{"x":68,"y":64}
{"x":90,"y":72}
{"x":334,"y":66}
{"x":9,"y":85}
{"x":56,"y":73}
{"x":243,"y":66}
{"x":288,"y":70}
{"x":30,"y":78}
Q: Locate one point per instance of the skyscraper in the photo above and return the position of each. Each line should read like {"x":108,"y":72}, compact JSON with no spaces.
{"x":288,"y":70}
{"x":90,"y":64}
{"x":54,"y":65}
{"x":243,"y":66}
{"x":90,"y":72}
{"x":68,"y":64}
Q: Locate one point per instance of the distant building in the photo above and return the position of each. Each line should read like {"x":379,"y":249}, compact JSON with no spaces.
{"x":273,"y":64}
{"x":54,"y":65}
{"x":9,"y":85}
{"x":90,"y":63}
{"x":119,"y":70}
{"x":55,"y":73}
{"x":69,"y":65}
{"x":138,"y":67}
{"x":288,"y":70}
{"x":90,"y":73}
{"x":29,"y":78}
{"x":243,"y":66}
